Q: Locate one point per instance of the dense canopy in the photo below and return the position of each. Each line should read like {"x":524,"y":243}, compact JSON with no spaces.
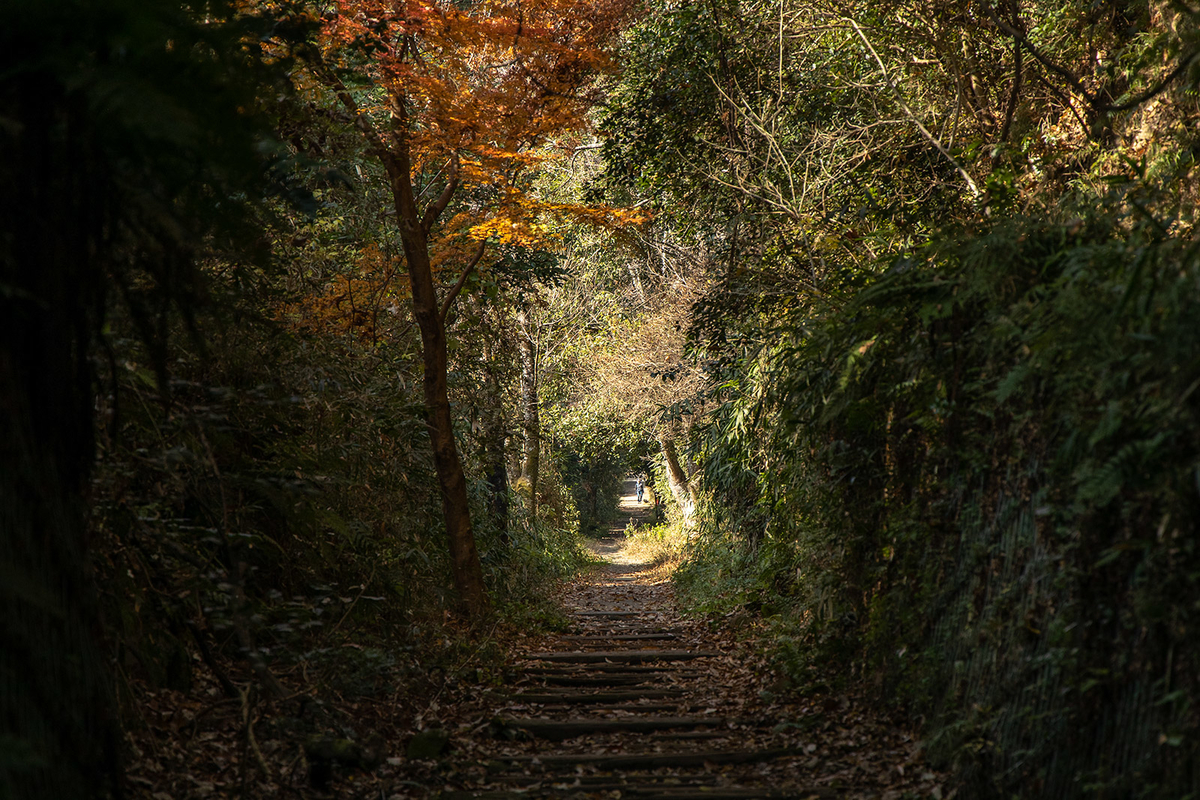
{"x":330,"y":333}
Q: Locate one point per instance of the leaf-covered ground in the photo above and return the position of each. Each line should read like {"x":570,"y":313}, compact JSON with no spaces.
{"x":675,"y":707}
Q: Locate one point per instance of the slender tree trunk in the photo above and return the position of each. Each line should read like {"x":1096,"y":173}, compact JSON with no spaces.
{"x":677,"y":479}
{"x":637,"y":281}
{"x":498,"y":506}
{"x":464,"y":557}
{"x":494,"y":456}
{"x":392,"y":149}
{"x":512,"y":455}
{"x":529,"y":405}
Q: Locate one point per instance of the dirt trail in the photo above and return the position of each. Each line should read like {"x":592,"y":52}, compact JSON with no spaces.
{"x":634,"y":701}
{"x":611,"y":546}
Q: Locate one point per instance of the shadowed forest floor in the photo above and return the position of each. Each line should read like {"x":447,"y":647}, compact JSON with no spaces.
{"x":633,"y":700}
{"x":627,"y":699}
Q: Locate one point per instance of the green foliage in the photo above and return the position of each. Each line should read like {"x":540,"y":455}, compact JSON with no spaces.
{"x":948,"y":441}
{"x":285,"y":509}
{"x":594,"y":448}
{"x":984,"y":487}
{"x":533,"y":560}
{"x":664,"y":115}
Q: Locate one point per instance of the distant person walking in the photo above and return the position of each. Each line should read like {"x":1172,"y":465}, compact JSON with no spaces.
{"x":641,"y":489}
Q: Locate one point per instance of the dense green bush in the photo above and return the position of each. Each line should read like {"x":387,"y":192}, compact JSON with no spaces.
{"x":985,"y":485}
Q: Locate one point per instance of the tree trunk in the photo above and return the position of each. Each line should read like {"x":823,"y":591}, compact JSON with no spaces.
{"x":498,"y":506}
{"x":57,"y":714}
{"x":494,"y":456}
{"x":512,"y":454}
{"x":464,"y":557}
{"x":677,"y":479}
{"x":529,"y":405}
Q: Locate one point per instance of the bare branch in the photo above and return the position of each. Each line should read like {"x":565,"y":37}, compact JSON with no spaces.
{"x":1184,"y":63}
{"x":1062,"y":72}
{"x":904,"y":106}
{"x":462,"y":281}
{"x":1014,"y":93}
{"x":436,"y":208}
{"x":1066,"y":101}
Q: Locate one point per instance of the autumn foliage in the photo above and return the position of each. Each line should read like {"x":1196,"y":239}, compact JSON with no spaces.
{"x":471,"y":95}
{"x":349,"y":304}
{"x":456,"y":104}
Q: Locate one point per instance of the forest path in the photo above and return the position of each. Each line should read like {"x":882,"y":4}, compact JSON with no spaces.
{"x":635,"y":701}
{"x":611,"y":546}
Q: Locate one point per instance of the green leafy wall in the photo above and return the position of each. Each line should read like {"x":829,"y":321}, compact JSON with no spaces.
{"x":985,"y":498}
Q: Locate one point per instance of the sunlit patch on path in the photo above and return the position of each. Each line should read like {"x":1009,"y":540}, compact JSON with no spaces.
{"x":613,"y":547}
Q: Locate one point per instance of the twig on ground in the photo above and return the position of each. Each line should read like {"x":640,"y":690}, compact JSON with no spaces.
{"x":248,"y":726}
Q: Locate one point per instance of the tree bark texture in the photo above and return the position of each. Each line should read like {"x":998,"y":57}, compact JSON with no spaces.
{"x":452,"y":482}
{"x":677,"y":479}
{"x":529,"y":404}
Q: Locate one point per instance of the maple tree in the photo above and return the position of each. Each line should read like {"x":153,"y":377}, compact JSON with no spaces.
{"x":453,"y":102}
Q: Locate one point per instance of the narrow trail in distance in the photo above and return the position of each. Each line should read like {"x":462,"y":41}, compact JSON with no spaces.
{"x":635,"y":701}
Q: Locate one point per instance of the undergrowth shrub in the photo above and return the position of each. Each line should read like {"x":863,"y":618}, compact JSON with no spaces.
{"x":275,"y":500}
{"x":534,"y":557}
{"x":981,"y":480}
{"x":275,"y":510}
{"x":661,"y":545}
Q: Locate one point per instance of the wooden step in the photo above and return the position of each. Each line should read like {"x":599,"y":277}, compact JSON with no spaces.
{"x":625,"y":656}
{"x":651,"y":792}
{"x":611,"y":679}
{"x":620,"y":637}
{"x":591,"y":669}
{"x":582,"y":698}
{"x":728,"y":793}
{"x":603,"y":708}
{"x":690,"y":735}
{"x":560,"y":730}
{"x":700,"y":785}
{"x":653,"y":760}
{"x":604,"y":780}
{"x":620,"y":630}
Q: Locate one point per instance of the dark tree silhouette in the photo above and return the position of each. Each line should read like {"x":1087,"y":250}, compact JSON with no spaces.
{"x":119,"y":123}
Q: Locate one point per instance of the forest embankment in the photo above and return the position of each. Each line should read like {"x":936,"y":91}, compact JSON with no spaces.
{"x":947,"y":435}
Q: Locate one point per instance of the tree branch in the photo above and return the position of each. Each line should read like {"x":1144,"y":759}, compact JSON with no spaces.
{"x":435,"y":209}
{"x":1066,"y":101}
{"x":904,"y":106}
{"x":1184,"y":63}
{"x":462,"y":281}
{"x":1062,"y":72}
{"x":373,"y":137}
{"x":1014,"y":93}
